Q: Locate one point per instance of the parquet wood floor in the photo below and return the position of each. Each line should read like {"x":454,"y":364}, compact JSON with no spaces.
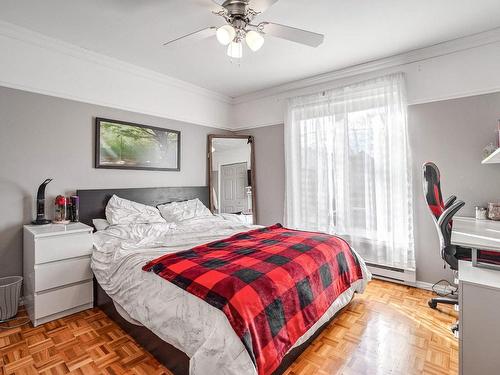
{"x":389,"y":330}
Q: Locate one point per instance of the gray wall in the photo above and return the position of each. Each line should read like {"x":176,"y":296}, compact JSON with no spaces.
{"x":451,"y":133}
{"x":270,"y":172}
{"x":43,"y":136}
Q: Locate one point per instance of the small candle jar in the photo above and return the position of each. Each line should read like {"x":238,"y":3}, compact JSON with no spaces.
{"x":481,"y":213}
{"x":494,"y":211}
{"x":60,"y":210}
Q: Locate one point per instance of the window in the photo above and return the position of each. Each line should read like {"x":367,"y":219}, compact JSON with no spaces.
{"x":347,"y":162}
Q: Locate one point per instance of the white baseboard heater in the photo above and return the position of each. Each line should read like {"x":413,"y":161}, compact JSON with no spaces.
{"x":394,"y":274}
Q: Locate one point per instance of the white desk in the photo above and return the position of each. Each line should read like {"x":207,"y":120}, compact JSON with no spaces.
{"x":478,"y":235}
{"x":479,"y":299}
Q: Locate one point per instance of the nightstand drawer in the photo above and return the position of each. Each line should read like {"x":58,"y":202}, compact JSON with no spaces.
{"x":49,"y":249}
{"x":63,"y":299}
{"x":64,"y":272}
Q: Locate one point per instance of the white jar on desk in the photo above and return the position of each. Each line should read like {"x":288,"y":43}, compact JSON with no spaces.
{"x":481,"y":213}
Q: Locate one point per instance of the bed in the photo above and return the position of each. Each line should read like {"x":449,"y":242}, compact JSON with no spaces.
{"x":183,"y":332}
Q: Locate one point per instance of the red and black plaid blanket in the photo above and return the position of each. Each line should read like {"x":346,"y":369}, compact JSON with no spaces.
{"x":272,"y":283}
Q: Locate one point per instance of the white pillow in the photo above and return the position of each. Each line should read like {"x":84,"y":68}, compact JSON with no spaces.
{"x":180,"y":211}
{"x":123,"y":211}
{"x":100,"y":224}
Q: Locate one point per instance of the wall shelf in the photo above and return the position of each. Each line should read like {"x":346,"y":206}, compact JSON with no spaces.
{"x":494,"y":158}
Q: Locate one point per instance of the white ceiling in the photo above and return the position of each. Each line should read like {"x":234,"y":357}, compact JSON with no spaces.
{"x":356,"y":31}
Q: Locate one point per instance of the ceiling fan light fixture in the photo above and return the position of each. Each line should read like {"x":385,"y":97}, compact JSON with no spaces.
{"x":225,"y":34}
{"x":235,"y":50}
{"x":254,"y":40}
{"x":238,"y":28}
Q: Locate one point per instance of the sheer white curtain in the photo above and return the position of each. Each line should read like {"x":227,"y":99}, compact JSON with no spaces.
{"x":348,"y":168}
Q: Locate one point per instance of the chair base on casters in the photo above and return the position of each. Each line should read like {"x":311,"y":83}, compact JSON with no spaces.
{"x":453,"y":300}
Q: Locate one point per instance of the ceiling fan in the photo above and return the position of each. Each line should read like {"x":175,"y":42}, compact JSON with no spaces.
{"x":238,"y":16}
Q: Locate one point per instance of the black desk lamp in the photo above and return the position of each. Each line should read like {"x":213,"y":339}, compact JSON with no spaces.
{"x":40,"y":205}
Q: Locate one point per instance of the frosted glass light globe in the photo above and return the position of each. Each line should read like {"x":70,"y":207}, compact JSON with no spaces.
{"x":235,"y":50}
{"x":225,"y":34}
{"x":254,"y":40}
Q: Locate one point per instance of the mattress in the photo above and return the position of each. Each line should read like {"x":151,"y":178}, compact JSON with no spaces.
{"x":176,"y":316}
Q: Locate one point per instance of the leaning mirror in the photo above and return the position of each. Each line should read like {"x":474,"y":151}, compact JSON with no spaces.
{"x":231,"y":177}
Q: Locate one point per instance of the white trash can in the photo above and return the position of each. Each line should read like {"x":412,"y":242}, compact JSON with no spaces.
{"x":10,"y":290}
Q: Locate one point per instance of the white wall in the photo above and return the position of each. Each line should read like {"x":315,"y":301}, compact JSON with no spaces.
{"x":465,"y":67}
{"x":33,"y":62}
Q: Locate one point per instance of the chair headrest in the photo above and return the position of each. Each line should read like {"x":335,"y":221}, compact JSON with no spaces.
{"x":432,"y":188}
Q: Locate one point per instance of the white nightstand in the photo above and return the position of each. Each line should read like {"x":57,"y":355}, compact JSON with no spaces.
{"x":56,"y":267}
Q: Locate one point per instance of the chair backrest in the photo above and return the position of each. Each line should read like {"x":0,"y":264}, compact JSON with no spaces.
{"x":442,"y":213}
{"x":432,"y":189}
{"x":431,"y":181}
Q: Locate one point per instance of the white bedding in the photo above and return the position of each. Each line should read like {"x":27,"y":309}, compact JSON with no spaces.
{"x":176,"y":316}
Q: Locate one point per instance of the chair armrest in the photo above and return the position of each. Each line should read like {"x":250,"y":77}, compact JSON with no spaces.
{"x":449,"y":202}
{"x":445,"y":220}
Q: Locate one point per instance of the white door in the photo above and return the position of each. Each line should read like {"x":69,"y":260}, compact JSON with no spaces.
{"x":233,"y":180}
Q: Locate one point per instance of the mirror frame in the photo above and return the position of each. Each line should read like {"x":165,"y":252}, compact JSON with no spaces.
{"x":250,"y":138}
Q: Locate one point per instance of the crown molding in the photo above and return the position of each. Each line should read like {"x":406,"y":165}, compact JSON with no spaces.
{"x":421,"y":54}
{"x":263,"y":125}
{"x":457,"y":95}
{"x":77,"y":98}
{"x":28,"y":36}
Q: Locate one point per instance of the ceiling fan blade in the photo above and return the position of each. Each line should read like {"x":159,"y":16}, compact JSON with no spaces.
{"x":293,"y":34}
{"x":260,"y":5}
{"x":193,"y":37}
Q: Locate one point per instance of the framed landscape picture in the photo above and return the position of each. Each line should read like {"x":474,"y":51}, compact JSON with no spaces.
{"x":125,"y":145}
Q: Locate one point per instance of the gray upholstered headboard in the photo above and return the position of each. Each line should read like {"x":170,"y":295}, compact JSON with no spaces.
{"x":93,"y":202}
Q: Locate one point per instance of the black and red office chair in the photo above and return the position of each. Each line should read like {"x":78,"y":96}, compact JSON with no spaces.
{"x":442,"y":215}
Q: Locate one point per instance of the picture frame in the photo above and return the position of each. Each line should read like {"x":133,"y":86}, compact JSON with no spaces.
{"x":128,"y":145}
